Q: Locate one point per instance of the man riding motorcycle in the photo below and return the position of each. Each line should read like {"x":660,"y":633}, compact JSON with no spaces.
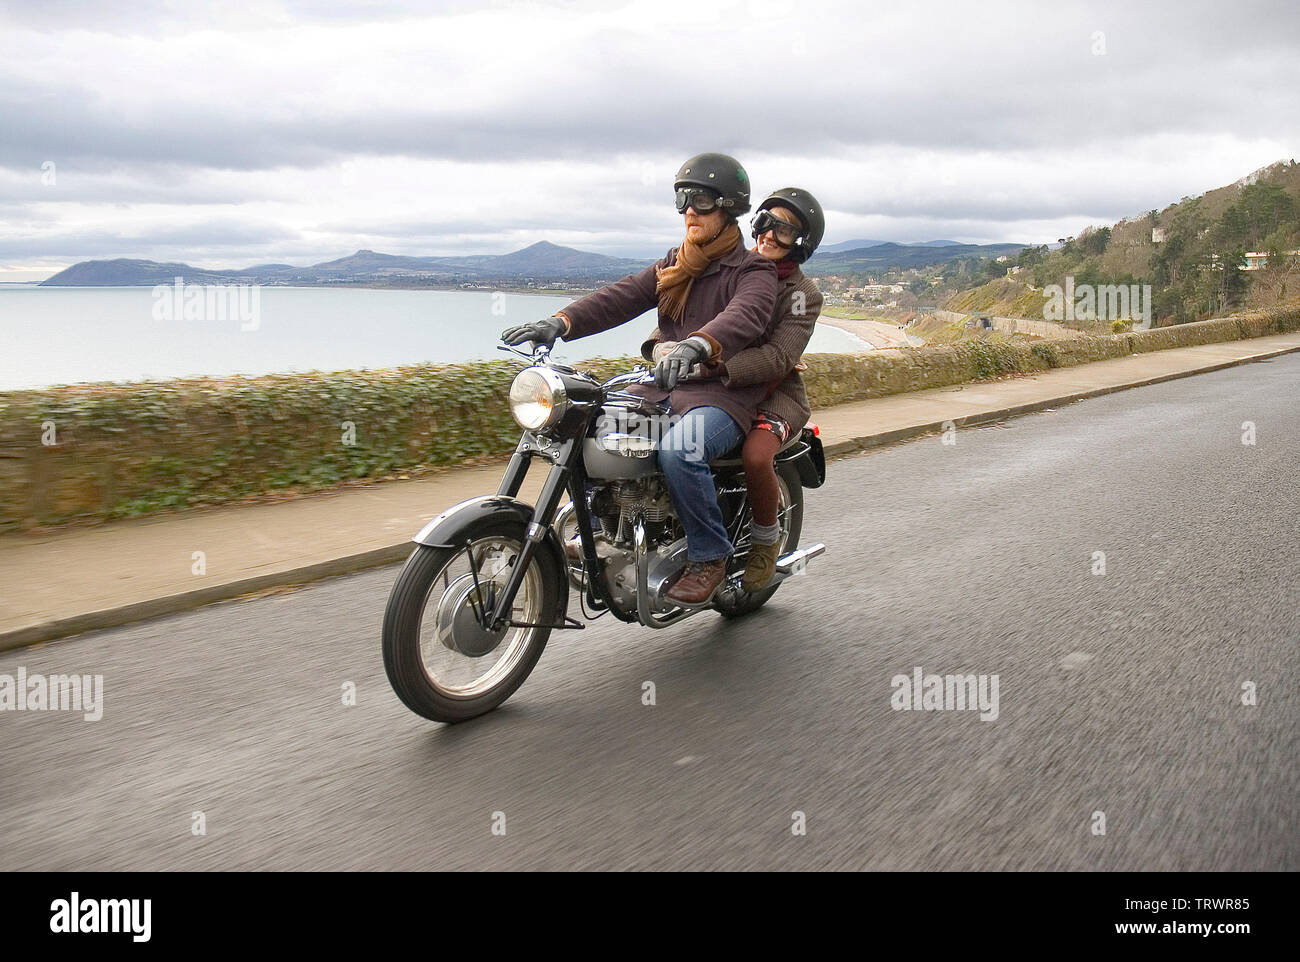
{"x":715,"y":298}
{"x":788,"y":229}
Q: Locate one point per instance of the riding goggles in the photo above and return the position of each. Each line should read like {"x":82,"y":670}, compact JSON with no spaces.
{"x":704,"y":201}
{"x":783,"y":232}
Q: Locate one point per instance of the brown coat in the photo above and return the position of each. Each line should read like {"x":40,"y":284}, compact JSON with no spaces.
{"x":774,"y":360}
{"x":730,"y":306}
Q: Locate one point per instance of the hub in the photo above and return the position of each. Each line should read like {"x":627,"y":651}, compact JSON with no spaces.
{"x":458,"y":627}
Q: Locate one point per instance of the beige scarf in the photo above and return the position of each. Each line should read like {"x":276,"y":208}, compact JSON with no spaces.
{"x":674,"y":283}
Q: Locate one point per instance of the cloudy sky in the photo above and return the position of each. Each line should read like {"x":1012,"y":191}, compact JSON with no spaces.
{"x":295,"y":131}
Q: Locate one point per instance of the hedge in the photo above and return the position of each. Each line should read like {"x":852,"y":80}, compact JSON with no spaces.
{"x":135,"y":448}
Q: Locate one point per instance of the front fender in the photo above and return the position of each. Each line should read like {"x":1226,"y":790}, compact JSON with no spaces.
{"x":455,"y":526}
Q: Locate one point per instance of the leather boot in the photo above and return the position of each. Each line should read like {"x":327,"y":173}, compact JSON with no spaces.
{"x":698,"y":581}
{"x":761,"y":566}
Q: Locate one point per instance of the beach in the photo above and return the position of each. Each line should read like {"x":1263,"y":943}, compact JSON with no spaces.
{"x":879,"y":334}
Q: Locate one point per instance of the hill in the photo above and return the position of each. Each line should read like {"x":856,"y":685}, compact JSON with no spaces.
{"x":1192,"y":253}
{"x":852,"y":245}
{"x":902,"y":256}
{"x":542,"y":260}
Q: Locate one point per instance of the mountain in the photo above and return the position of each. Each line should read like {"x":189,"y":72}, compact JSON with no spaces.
{"x":545,"y":257}
{"x":851,"y":245}
{"x":124,"y":272}
{"x":884,"y":256}
{"x":543,"y":260}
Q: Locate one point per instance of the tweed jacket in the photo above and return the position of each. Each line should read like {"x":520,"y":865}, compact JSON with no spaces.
{"x":775,"y":361}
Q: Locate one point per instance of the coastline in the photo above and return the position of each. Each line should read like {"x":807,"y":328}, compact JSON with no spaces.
{"x":360,"y":285}
{"x":880,"y":335}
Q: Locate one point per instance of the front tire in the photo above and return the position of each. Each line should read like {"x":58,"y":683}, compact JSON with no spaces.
{"x":441,"y":663}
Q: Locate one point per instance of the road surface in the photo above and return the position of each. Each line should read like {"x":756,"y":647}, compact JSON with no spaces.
{"x":1120,"y":692}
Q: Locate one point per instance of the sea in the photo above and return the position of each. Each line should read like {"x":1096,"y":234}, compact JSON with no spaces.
{"x":69,"y":335}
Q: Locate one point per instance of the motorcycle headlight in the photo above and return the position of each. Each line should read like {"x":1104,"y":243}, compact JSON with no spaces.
{"x":537,"y":398}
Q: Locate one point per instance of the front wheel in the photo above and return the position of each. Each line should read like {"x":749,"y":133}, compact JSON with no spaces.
{"x":440,"y":661}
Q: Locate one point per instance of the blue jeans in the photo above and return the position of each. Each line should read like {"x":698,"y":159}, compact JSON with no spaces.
{"x":685,"y":451}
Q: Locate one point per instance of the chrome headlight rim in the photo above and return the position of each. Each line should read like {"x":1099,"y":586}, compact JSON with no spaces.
{"x":556,"y":392}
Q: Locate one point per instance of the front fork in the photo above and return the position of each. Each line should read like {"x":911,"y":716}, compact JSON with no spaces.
{"x":566,"y":475}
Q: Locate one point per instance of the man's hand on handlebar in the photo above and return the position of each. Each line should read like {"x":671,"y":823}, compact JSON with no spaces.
{"x":545,"y":331}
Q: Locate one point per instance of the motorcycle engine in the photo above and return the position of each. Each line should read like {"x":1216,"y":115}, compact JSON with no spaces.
{"x":618,"y":505}
{"x":647,"y":496}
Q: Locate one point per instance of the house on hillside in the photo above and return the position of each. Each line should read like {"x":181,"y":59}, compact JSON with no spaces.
{"x":1258,"y":260}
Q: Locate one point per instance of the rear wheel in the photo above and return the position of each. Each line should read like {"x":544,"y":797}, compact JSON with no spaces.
{"x":789,"y":514}
{"x":440,"y":660}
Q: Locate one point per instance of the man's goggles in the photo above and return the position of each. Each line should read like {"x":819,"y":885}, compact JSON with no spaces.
{"x":704,"y":201}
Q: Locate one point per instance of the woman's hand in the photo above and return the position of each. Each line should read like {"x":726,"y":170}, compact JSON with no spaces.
{"x":673,"y":366}
{"x":661,"y":350}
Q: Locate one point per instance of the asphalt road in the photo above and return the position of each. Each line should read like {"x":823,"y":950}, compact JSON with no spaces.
{"x":1118,"y":693}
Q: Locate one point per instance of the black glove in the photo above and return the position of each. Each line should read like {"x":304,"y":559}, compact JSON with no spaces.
{"x":674,"y":365}
{"x":544,"y":331}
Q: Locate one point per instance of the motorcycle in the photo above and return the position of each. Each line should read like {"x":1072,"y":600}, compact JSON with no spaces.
{"x":489,"y":579}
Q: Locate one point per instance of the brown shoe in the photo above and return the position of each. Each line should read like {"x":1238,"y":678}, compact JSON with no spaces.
{"x":697,"y":582}
{"x":761,"y":566}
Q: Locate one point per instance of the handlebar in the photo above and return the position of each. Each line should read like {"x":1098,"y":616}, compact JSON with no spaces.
{"x":648,"y":377}
{"x":542,"y":354}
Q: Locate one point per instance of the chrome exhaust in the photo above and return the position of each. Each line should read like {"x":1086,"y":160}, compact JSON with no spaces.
{"x":644,"y":608}
{"x":786,"y":566}
{"x":797,"y":560}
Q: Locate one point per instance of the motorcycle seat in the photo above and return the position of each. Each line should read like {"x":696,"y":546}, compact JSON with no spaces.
{"x":732,"y":458}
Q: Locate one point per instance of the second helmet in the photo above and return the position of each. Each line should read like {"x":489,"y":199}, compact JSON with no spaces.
{"x":809,"y":211}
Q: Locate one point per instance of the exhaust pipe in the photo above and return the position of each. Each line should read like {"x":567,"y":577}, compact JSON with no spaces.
{"x":786,"y":565}
{"x":795,"y":561}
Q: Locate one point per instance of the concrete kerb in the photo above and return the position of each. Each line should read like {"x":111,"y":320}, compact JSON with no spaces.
{"x":185,"y":601}
{"x":188,"y":600}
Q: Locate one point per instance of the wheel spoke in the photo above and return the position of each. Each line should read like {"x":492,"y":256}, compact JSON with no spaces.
{"x":458,"y":655}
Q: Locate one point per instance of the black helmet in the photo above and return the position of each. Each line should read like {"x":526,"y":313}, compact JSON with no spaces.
{"x":808,"y":210}
{"x":718,"y":173}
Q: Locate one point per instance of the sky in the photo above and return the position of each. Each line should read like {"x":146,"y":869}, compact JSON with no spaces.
{"x":290,"y":131}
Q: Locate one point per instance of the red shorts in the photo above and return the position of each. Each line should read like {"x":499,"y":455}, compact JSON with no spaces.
{"x":770,"y":422}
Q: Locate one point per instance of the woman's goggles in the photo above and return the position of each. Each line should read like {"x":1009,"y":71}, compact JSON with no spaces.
{"x":783,"y":232}
{"x":704,"y":201}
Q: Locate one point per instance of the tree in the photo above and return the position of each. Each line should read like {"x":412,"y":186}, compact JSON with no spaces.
{"x":1093,"y":242}
{"x":1234,"y":279}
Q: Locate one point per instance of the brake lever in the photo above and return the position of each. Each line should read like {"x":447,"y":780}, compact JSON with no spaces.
{"x":539,"y":356}
{"x":511,"y":350}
